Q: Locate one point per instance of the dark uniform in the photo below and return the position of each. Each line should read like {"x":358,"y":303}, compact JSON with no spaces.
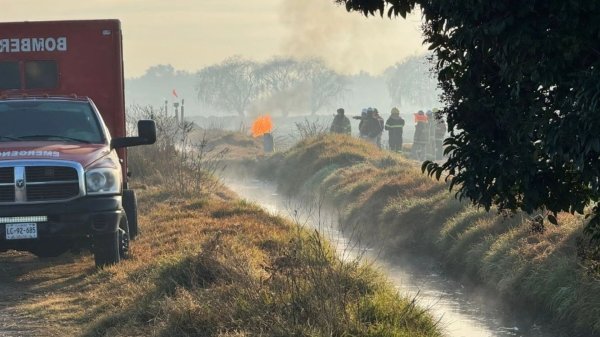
{"x":361,"y":129}
{"x":421,"y":133}
{"x":395,"y":125}
{"x":341,"y":123}
{"x":372,"y":127}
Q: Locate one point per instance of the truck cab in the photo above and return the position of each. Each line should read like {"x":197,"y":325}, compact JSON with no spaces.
{"x":63,"y":164}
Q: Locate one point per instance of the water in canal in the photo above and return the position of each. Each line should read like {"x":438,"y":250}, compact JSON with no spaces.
{"x":462,"y":310}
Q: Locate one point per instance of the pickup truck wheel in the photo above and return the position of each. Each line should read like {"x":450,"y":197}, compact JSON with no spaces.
{"x":124,"y":238}
{"x":130,"y":206}
{"x":106,"y":249}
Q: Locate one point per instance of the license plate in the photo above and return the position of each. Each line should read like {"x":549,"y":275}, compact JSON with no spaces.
{"x":19,"y":231}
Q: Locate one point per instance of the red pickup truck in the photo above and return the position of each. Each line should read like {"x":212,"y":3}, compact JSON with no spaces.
{"x":63,"y":163}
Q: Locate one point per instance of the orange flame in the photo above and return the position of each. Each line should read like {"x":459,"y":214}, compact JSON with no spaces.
{"x":262,"y":125}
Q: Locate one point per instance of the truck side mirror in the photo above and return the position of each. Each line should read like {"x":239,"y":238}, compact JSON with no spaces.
{"x":146,"y":135}
{"x":147,"y":130}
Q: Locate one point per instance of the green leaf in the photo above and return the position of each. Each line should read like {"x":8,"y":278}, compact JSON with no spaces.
{"x":425,"y":165}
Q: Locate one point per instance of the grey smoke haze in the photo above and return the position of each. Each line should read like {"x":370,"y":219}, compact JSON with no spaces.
{"x":348,"y":42}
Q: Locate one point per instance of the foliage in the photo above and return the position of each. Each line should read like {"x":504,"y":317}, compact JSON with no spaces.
{"x":520,"y":83}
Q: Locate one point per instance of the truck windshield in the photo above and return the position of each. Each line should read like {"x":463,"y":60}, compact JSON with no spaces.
{"x":67,"y":121}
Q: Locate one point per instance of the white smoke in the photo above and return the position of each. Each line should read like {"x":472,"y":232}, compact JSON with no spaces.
{"x":348,"y":42}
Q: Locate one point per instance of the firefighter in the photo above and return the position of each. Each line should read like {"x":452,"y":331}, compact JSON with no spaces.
{"x":341,"y":123}
{"x":420,"y":138}
{"x":361,"y":129}
{"x":395,"y":125}
{"x":371,"y":126}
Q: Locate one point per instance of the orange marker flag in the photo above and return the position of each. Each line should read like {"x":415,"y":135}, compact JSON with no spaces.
{"x":175,"y":93}
{"x":262,"y":125}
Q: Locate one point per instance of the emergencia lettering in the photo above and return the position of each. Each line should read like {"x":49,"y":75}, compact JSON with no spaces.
{"x":27,"y":45}
{"x":30,"y":153}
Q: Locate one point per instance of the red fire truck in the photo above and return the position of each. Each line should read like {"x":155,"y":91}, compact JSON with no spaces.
{"x":63,"y":164}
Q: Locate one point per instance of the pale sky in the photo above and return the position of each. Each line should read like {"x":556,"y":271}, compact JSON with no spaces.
{"x":191,"y":34}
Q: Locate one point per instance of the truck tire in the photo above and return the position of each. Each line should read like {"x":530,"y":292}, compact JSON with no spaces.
{"x":111,"y":248}
{"x":124,"y":239}
{"x":106,"y":249}
{"x":130,"y":206}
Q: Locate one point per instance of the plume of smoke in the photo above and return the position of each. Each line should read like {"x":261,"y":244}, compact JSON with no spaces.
{"x":348,"y":42}
{"x":294,"y":100}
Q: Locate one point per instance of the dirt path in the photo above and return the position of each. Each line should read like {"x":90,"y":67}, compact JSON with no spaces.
{"x":12,"y":321}
{"x":26,"y":281}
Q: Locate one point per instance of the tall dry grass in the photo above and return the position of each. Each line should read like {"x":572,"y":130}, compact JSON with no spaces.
{"x":210,"y":266}
{"x":180,"y":160}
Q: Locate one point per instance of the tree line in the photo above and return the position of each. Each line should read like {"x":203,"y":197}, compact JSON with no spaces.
{"x":285,"y":86}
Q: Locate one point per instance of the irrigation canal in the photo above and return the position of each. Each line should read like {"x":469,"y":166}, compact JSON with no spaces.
{"x":462,"y":310}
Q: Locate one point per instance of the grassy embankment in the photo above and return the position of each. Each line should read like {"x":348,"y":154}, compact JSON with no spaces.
{"x":208,"y":264}
{"x":387,"y":199}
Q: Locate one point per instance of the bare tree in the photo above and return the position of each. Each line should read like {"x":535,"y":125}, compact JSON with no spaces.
{"x":281,"y":74}
{"x":230,"y":86}
{"x":325,"y":85}
{"x":281,"y":80}
{"x":411,"y":82}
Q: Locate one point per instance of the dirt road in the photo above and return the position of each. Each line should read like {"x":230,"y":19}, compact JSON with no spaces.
{"x":26,"y":282}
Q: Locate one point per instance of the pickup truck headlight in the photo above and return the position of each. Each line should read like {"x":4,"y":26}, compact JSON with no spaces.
{"x":103,"y":181}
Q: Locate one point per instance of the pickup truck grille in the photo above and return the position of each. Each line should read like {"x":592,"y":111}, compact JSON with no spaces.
{"x":7,"y":193}
{"x":52,"y":192}
{"x":7,"y":175}
{"x":7,"y":184}
{"x":23,"y":184}
{"x":50,"y":173}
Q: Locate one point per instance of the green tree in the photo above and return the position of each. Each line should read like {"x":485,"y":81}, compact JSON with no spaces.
{"x":521,"y":86}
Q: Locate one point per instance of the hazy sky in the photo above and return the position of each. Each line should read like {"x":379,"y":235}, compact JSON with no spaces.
{"x":190,"y":34}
